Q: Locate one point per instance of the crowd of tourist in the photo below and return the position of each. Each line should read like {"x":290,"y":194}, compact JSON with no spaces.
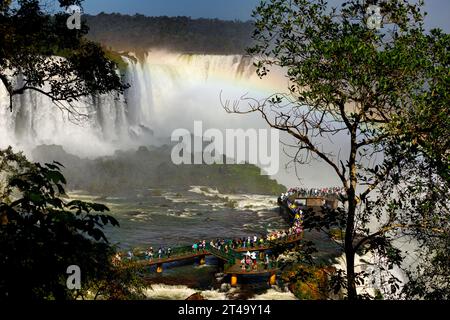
{"x":223,"y":245}
{"x":149,"y":254}
{"x":199,"y":246}
{"x":312,"y":192}
{"x":293,"y":232}
{"x":238,"y":243}
{"x":250,"y":261}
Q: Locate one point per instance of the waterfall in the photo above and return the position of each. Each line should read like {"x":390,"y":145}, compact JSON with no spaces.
{"x":166,"y":89}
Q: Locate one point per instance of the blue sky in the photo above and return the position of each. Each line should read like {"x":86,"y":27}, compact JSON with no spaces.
{"x":439,"y":10}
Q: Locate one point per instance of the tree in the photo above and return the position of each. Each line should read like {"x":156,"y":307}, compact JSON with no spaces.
{"x":362,"y":84}
{"x":39,"y":53}
{"x":41,"y":234}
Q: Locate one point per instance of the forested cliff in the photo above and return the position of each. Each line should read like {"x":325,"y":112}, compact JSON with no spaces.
{"x":139,"y":33}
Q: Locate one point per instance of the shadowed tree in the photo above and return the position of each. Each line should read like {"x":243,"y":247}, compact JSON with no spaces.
{"x":38,"y":52}
{"x":372,"y":81}
{"x":41,"y":232}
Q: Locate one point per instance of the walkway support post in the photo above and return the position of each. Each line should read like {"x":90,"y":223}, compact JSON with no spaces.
{"x":221,"y":264}
{"x":273,"y":279}
{"x":159,"y":268}
{"x":234,"y":280}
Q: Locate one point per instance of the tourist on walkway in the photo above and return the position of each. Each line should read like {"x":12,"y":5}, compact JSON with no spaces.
{"x":150,"y":254}
{"x":254,"y":260}
{"x":248,"y":261}
{"x":204,"y":245}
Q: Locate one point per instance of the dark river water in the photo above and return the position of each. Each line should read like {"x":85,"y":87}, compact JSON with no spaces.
{"x":180,"y":217}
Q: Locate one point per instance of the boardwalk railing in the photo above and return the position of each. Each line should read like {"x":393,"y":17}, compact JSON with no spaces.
{"x":230,"y":256}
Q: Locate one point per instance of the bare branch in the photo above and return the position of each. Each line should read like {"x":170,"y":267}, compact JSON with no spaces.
{"x":284,"y":122}
{"x":395,"y":227}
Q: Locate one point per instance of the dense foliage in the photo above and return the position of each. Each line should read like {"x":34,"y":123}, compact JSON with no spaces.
{"x":42,"y":234}
{"x":139,"y":33}
{"x":38,"y":52}
{"x":129,"y":171}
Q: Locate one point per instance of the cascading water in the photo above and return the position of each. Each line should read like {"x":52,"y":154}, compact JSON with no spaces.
{"x":168,"y":90}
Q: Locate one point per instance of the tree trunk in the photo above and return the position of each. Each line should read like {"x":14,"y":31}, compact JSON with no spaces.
{"x":350,"y":227}
{"x":349,"y":250}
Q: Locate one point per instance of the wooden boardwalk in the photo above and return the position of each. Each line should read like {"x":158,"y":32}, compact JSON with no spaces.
{"x":231,"y":258}
{"x":147,"y":263}
{"x":235,"y":269}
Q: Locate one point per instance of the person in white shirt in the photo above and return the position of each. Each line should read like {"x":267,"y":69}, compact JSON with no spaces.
{"x":253,"y":257}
